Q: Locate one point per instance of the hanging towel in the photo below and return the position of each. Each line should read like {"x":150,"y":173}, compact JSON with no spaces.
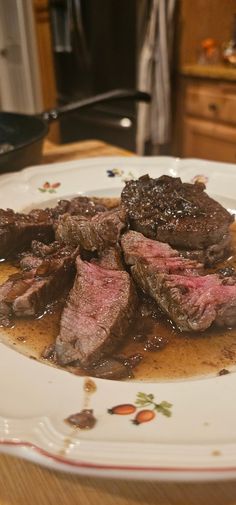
{"x":153,"y":121}
{"x":61,"y":11}
{"x":68,"y":31}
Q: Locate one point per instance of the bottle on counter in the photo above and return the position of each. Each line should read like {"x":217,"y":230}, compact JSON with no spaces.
{"x":229,"y":48}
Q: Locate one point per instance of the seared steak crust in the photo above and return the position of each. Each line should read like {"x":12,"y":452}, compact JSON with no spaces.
{"x":102,"y":230}
{"x":97,"y":315}
{"x":79,"y":205}
{"x":181,"y":214}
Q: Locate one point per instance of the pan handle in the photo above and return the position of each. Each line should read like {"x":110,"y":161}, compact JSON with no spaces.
{"x":116,"y":94}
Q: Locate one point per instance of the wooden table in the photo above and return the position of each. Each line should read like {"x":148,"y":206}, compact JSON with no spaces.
{"x":86,"y":149}
{"x":24,"y":483}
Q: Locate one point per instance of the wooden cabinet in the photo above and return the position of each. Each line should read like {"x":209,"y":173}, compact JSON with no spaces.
{"x":208,"y":126}
{"x":215,"y":102}
{"x":208,"y":140}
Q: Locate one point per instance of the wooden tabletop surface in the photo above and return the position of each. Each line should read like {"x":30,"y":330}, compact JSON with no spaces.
{"x":24,"y":483}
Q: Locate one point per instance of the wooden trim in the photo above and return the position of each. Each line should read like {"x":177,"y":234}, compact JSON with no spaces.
{"x":209,"y":140}
{"x":45,"y":52}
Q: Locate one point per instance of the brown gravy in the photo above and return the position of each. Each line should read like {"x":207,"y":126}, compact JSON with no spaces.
{"x":184,"y":356}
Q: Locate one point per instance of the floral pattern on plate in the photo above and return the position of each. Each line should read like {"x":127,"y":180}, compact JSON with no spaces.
{"x":145,"y":409}
{"x":118,"y":172}
{"x":49,"y":187}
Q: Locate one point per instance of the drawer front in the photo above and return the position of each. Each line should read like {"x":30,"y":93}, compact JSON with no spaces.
{"x":212,"y":102}
{"x":208,"y":140}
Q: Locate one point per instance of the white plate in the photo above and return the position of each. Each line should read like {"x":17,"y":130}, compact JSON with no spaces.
{"x":198,"y":442}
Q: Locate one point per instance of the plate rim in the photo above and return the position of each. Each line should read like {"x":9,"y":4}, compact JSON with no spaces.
{"x":197,"y":473}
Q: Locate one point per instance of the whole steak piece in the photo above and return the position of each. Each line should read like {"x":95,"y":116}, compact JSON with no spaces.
{"x":98,"y":313}
{"x":192,"y":301}
{"x":182,"y":214}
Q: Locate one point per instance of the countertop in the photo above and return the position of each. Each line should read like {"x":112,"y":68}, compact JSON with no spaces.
{"x":24,"y":483}
{"x":216,"y":72}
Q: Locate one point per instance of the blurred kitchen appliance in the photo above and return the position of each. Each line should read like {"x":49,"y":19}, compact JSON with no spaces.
{"x":95,"y":50}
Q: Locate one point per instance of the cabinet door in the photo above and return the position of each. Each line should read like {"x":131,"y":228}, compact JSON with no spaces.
{"x":208,"y":140}
{"x":213,"y":102}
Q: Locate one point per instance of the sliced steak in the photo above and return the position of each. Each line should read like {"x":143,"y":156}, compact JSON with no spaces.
{"x":43,"y":250}
{"x":137,"y":248}
{"x":79,"y":205}
{"x":5,"y":307}
{"x":211,"y":254}
{"x":192,"y":301}
{"x":99,"y":310}
{"x":29,"y":293}
{"x":39,"y":250}
{"x":111,"y":259}
{"x":93,"y":234}
{"x":181,"y":214}
{"x":18,"y":230}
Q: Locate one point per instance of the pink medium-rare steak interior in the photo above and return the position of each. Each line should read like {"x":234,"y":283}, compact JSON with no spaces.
{"x":99,"y":310}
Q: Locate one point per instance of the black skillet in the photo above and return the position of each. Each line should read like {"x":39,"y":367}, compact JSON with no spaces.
{"x":21,"y":135}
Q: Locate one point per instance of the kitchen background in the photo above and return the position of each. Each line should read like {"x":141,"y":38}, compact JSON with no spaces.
{"x":56,"y":51}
